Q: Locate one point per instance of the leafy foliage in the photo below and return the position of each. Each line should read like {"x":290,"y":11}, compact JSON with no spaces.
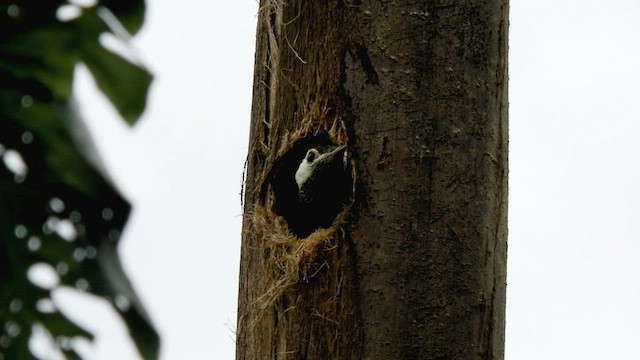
{"x":59,"y":213}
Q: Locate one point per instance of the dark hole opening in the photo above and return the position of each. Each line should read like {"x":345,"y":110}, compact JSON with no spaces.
{"x":322,"y":197}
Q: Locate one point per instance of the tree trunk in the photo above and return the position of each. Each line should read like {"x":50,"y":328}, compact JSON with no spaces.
{"x":415,"y":266}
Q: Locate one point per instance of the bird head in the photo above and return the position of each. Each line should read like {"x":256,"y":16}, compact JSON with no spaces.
{"x":319,"y":159}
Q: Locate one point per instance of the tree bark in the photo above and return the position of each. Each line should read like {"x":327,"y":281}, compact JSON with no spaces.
{"x":415,"y":267}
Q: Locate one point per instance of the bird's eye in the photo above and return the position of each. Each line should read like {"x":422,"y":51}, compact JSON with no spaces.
{"x":311,"y":155}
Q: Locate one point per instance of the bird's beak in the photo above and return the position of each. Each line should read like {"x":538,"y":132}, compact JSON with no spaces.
{"x":338,"y":153}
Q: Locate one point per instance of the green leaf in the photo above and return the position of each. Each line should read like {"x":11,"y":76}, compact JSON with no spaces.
{"x":124,"y":83}
{"x":22,"y":56}
{"x":63,"y":326}
{"x":129,"y":12}
{"x":57,"y":127}
{"x":126,"y":301}
{"x":51,"y":174}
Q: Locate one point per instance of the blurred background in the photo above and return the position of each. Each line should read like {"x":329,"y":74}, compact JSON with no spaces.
{"x":574,"y":239}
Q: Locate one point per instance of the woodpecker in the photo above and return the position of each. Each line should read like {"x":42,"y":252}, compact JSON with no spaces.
{"x":323,"y":186}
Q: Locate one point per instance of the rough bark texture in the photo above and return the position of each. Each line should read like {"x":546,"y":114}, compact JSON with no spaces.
{"x":416,"y":267}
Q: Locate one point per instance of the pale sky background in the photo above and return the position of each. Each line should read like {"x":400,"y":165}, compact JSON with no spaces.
{"x":574,"y":251}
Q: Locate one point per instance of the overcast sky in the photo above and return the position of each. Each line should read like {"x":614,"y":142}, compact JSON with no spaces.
{"x":574,"y":235}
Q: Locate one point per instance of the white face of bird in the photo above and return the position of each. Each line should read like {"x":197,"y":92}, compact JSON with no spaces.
{"x":312,"y":159}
